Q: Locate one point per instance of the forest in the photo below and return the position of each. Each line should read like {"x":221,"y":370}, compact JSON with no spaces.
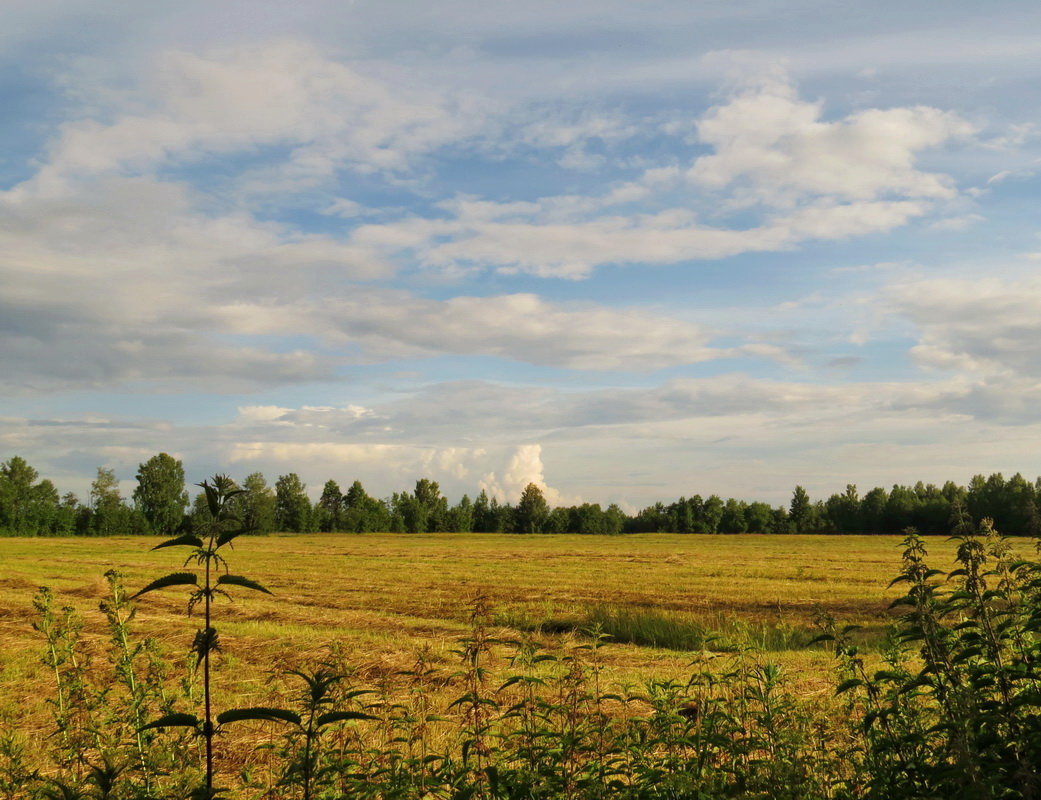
{"x":160,"y":504}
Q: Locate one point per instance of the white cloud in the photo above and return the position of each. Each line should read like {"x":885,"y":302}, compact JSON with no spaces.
{"x":522,"y":327}
{"x":122,"y":279}
{"x":773,"y":147}
{"x":958,"y":223}
{"x":986,"y":325}
{"x":574,"y":248}
{"x":524,"y":467}
{"x":275,"y":93}
{"x":731,"y":434}
{"x":385,"y":466}
{"x":811,"y":179}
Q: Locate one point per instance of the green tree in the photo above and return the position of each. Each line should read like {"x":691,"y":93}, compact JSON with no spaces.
{"x":614,"y":520}
{"x":873,"y":510}
{"x":365,"y":514}
{"x":681,"y":514}
{"x":712,"y":514}
{"x":760,"y":518}
{"x":257,"y":505}
{"x":329,"y":509}
{"x":800,"y":511}
{"x":424,"y":510}
{"x":355,"y":496}
{"x":532,"y":510}
{"x":843,"y":510}
{"x":16,"y":484}
{"x":1019,"y":507}
{"x":292,"y":508}
{"x":461,"y":516}
{"x":586,"y":518}
{"x":160,"y":494}
{"x":109,"y":515}
{"x":557,"y":521}
{"x":733,"y":520}
{"x":29,"y":507}
{"x":482,"y":513}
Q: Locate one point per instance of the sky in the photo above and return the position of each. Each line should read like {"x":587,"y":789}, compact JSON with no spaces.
{"x":626,"y":251}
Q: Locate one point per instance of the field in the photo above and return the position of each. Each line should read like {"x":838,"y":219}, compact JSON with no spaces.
{"x":375,"y":602}
{"x":383,"y":597}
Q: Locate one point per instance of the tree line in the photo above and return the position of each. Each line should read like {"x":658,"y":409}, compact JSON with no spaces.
{"x":160,"y":504}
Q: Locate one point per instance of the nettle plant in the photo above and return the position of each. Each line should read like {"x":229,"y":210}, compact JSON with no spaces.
{"x":212,"y":579}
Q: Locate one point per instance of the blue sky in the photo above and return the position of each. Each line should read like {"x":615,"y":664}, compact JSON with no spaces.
{"x":627,"y":251}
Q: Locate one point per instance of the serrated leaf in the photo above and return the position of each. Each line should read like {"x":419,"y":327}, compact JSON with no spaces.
{"x":173,"y":721}
{"x":888,"y":675}
{"x":173,"y":579}
{"x":341,"y":716}
{"x":187,"y":539}
{"x":227,"y":536}
{"x":212,"y":499}
{"x":845,"y":686}
{"x":258,"y":713}
{"x":238,"y":580}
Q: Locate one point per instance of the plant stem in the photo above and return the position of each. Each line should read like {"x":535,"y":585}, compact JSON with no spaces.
{"x":208,"y":725}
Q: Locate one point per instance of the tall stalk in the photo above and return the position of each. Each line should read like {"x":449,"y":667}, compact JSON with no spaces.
{"x":222,"y":527}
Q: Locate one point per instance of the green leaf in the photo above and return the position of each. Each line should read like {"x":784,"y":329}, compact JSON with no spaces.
{"x":845,"y":686}
{"x":227,"y":536}
{"x":258,"y":713}
{"x":187,"y":539}
{"x":359,"y":692}
{"x":889,"y":675}
{"x":173,"y":721}
{"x":238,"y":580}
{"x":821,"y":637}
{"x":212,"y":499}
{"x":341,"y":716}
{"x":173,"y":579}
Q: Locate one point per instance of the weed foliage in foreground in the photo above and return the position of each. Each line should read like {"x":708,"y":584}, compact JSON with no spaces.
{"x":954,"y":712}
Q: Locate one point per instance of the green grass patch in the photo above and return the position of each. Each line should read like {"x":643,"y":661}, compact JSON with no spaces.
{"x":681,"y":632}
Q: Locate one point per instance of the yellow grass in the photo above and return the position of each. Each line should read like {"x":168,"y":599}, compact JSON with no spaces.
{"x":382,"y":597}
{"x":379,"y":599}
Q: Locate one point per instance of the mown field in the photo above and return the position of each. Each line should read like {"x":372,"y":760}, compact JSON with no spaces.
{"x":394,"y":612}
{"x":381,"y":598}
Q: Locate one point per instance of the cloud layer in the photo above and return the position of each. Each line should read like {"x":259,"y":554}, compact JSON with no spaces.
{"x":616,"y":254}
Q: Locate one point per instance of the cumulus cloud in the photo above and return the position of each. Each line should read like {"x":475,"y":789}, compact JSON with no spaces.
{"x":126,"y":280}
{"x":120,"y":267}
{"x":775,"y":148}
{"x":980,"y":325}
{"x":810,"y":179}
{"x":274,"y":93}
{"x":524,"y":467}
{"x":123,"y":281}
